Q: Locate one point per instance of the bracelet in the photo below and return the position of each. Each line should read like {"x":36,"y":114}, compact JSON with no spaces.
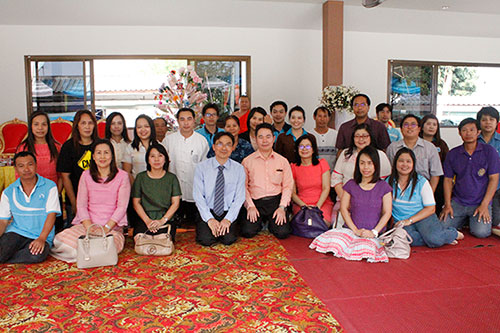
{"x":282,"y":207}
{"x":411,"y":221}
{"x":165,"y":219}
{"x":375,"y":232}
{"x":107,"y":226}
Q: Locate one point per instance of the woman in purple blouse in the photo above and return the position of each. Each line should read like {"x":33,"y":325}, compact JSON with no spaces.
{"x":366,"y":207}
{"x":103,"y":196}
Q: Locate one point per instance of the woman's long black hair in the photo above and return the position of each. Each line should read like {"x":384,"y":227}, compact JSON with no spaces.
{"x":348,"y":153}
{"x":29,"y":143}
{"x":152,"y":136}
{"x":394,"y":177}
{"x":107,"y":130}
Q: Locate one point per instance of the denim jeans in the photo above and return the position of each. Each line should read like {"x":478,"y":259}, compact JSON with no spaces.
{"x":463,"y":215}
{"x":431,"y":232}
{"x":495,"y":209}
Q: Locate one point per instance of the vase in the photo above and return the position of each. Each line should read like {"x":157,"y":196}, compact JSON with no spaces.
{"x":342,"y":116}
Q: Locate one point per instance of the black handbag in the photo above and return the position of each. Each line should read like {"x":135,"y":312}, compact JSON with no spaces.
{"x":308,"y":222}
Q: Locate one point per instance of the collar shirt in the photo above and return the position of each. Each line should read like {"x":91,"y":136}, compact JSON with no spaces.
{"x":428,"y":162}
{"x":471,"y":171}
{"x":29,"y":212}
{"x":495,"y":141}
{"x":267,"y":177}
{"x":120,"y":148}
{"x":284,"y":129}
{"x":205,"y":177}
{"x":135,"y":157}
{"x":185,"y":154}
{"x":207,"y":135}
{"x":378,"y":130}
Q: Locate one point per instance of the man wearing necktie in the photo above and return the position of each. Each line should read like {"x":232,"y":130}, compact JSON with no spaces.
{"x":219,"y":193}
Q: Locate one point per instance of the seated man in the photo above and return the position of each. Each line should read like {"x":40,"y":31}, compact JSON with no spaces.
{"x":33,"y":203}
{"x":475,"y":166}
{"x":269,"y":186}
{"x":219,"y":193}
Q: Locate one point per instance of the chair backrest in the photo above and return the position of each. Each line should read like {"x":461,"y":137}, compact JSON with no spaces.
{"x":12,"y":133}
{"x":61,"y":129}
{"x":101,"y":128}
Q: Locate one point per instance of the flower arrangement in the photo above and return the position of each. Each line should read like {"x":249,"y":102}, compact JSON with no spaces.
{"x":338,"y":98}
{"x":182,"y":90}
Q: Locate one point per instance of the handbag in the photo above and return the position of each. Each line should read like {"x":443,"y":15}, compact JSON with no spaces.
{"x":396,"y":243}
{"x":154,"y":245}
{"x":96,"y":251}
{"x":308,"y":222}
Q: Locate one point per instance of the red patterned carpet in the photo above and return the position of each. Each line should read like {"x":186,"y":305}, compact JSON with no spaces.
{"x":247,"y":287}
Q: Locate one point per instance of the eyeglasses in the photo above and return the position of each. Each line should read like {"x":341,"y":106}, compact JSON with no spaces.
{"x":410,"y":125}
{"x":227,"y":145}
{"x":210,"y":115}
{"x":302,"y":147}
{"x":361,"y":136}
{"x":360,"y":104}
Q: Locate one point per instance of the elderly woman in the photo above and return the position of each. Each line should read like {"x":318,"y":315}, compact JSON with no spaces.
{"x":103,"y":195}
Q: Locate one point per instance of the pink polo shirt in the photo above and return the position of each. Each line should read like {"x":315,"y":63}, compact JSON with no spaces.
{"x":267,"y":177}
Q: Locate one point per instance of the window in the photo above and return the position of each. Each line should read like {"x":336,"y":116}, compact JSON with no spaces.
{"x":61,"y":85}
{"x":451,"y":91}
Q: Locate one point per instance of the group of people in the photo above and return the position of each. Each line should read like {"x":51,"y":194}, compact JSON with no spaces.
{"x":251,"y":171}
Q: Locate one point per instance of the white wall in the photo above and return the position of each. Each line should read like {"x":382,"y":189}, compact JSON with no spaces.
{"x":286,"y":63}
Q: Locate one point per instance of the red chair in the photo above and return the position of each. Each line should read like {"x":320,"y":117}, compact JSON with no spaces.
{"x":61,"y":129}
{"x":101,"y":128}
{"x":12,"y":133}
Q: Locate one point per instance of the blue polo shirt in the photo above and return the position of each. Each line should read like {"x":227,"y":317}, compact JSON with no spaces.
{"x":394,"y":134}
{"x":289,"y":132}
{"x":30,"y":212}
{"x":404,"y":206}
{"x":471,"y":172}
{"x":207,"y":135}
{"x":495,"y":141}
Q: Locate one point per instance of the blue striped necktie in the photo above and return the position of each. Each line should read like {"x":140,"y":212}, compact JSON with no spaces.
{"x":219,"y":192}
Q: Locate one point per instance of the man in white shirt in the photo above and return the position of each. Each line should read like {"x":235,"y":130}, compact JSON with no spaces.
{"x":325,"y":136}
{"x":186,"y":149}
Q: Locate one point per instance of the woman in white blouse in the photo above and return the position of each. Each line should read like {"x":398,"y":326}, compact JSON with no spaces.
{"x":116,"y":132}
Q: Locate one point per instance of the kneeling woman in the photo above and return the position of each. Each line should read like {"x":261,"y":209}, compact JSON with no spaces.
{"x":156,"y":193}
{"x":413,"y":204}
{"x":103,"y":195}
{"x":366,"y":207}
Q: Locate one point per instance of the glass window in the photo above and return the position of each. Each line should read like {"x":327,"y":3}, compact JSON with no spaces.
{"x":450,"y":91}
{"x":62,"y":85}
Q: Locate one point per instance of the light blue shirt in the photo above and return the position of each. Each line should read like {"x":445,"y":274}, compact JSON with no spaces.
{"x":204,"y":188}
{"x":404,"y":207}
{"x":29,"y":213}
{"x":394,"y":134}
{"x":207,"y":135}
{"x":495,"y":143}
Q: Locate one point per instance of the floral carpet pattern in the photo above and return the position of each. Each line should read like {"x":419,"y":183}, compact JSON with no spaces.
{"x":249,"y":286}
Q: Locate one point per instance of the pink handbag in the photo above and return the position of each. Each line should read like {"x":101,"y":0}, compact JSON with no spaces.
{"x":396,"y":243}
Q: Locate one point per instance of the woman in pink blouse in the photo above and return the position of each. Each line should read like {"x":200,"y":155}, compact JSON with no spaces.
{"x":42,"y":144}
{"x":103,"y":195}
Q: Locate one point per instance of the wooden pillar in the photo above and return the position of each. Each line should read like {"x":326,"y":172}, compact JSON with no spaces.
{"x":333,"y":42}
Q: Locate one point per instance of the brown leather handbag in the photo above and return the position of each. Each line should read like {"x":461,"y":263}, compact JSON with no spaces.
{"x":154,"y":245}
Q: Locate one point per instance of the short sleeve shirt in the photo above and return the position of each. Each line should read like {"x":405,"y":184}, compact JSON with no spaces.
{"x":156,"y":194}
{"x":405,"y":204}
{"x":74,"y":161}
{"x":471,"y":171}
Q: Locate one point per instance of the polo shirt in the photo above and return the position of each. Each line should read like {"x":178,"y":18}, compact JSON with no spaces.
{"x":495,"y":143}
{"x":428,"y":162}
{"x":205,"y":178}
{"x":284,"y":129}
{"x":285,"y":145}
{"x":471,"y":171}
{"x":207,"y":135}
{"x":404,"y":207}
{"x":379,"y":132}
{"x":29,"y":213}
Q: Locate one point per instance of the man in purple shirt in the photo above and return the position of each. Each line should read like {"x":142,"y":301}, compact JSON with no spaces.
{"x":476,"y":167}
{"x":360,"y":104}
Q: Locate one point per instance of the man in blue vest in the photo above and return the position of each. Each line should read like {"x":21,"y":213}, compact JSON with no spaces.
{"x":31,"y":205}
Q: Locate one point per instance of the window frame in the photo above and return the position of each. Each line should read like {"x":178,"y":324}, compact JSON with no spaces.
{"x":28,"y":59}
{"x":435,"y":73}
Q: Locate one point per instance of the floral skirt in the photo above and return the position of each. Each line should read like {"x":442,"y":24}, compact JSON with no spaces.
{"x":344,"y":244}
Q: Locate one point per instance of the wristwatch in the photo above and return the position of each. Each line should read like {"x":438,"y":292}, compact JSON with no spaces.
{"x":282,"y":207}
{"x":411,"y":221}
{"x":375,"y":232}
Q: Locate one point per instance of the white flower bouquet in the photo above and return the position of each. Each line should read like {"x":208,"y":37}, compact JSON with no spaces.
{"x":338,"y":98}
